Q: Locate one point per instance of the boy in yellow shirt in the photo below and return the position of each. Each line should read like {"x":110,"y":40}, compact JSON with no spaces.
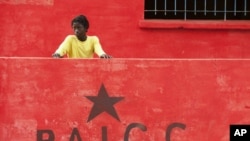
{"x":80,"y":45}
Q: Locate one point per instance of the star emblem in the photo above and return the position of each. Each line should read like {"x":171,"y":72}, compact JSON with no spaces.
{"x":103,"y":103}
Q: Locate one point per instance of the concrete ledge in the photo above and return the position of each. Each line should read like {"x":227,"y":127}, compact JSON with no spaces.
{"x":116,"y":99}
{"x":195,"y":24}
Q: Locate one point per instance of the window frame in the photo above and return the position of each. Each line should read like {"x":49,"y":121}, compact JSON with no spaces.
{"x":193,"y":24}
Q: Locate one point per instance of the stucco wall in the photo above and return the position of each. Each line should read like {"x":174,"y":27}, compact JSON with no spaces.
{"x":37,"y":28}
{"x":148,"y":96}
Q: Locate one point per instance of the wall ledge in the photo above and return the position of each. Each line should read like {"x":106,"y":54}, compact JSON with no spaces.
{"x":194,"y":24}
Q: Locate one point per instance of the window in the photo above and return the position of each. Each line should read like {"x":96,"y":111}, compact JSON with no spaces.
{"x":197,"y":9}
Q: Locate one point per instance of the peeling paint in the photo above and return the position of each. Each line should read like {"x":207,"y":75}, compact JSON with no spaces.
{"x":28,"y":2}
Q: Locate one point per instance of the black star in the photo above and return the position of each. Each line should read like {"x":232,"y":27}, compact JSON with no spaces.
{"x":103,"y":103}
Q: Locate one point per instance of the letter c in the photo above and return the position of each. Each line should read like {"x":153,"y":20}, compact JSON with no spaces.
{"x":131,"y":126}
{"x":170,"y":128}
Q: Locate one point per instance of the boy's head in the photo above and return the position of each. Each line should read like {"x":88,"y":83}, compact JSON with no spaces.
{"x":81,"y":19}
{"x":80,"y":26}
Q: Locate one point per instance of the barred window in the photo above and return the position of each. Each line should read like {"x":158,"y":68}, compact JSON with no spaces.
{"x":197,"y":9}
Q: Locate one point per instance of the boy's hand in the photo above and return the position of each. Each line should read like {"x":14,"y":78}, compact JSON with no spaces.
{"x":105,"y":56}
{"x":56,"y":55}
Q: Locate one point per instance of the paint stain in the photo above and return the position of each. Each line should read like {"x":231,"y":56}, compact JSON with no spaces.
{"x":247,"y":106}
{"x":28,"y":2}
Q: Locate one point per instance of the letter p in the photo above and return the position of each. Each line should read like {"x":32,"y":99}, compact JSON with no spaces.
{"x":243,"y":131}
{"x":45,"y":135}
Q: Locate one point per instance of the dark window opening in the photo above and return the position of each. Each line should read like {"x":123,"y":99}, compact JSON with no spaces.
{"x":197,"y":9}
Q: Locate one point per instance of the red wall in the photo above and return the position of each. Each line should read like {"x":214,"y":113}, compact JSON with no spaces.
{"x":37,"y":94}
{"x":204,"y":96}
{"x":37,"y":28}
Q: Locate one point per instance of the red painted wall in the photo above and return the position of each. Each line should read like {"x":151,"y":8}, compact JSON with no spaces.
{"x":204,"y":96}
{"x":37,"y":28}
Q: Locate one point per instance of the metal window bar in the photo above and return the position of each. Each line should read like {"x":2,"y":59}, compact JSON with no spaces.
{"x":155,"y":7}
{"x":235,"y":5}
{"x":175,"y":7}
{"x":245,"y":7}
{"x":185,"y":9}
{"x":215,"y":7}
{"x":205,"y":7}
{"x":195,"y":8}
{"x":165,"y":7}
{"x":245,"y":10}
{"x":225,"y":9}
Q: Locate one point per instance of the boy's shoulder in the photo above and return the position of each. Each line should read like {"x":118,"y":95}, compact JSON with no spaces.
{"x":90,"y":38}
{"x":93,"y":38}
{"x":71,"y":37}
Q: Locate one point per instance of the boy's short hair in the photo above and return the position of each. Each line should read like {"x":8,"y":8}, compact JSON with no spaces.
{"x":82,"y":20}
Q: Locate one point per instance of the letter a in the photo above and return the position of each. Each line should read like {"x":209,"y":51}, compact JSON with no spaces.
{"x":237,"y":132}
{"x":75,"y":132}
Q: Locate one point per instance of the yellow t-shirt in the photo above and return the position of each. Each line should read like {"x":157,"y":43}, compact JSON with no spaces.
{"x":74,"y":48}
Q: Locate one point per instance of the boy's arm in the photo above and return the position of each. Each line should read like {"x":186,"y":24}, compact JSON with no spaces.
{"x":63,"y":48}
{"x":98,"y":49}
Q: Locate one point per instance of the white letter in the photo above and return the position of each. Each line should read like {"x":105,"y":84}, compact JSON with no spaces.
{"x":243,"y":131}
{"x":237,"y":132}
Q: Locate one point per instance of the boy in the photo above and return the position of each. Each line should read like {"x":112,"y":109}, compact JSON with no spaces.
{"x":80,"y":45}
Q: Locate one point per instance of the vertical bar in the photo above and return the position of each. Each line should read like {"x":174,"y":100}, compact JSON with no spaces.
{"x":104,"y":133}
{"x":175,"y":7}
{"x":165,"y":7}
{"x":205,"y":7}
{"x":235,"y":5}
{"x":245,"y":8}
{"x":225,"y":10}
{"x":155,"y":7}
{"x":195,"y":8}
{"x":215,"y":7}
{"x":185,"y":9}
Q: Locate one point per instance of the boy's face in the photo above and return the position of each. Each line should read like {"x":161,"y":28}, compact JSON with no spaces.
{"x":79,"y":31}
